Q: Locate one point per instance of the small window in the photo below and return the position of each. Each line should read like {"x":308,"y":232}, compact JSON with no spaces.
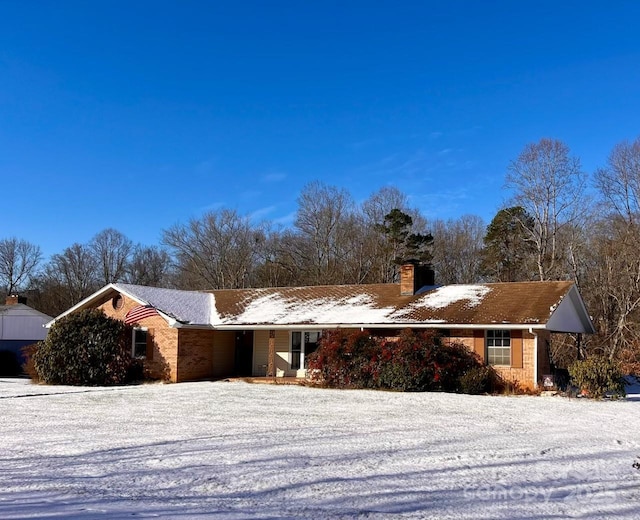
{"x":499,"y":347}
{"x":139,"y":349}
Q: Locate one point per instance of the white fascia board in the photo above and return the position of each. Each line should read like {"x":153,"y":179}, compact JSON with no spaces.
{"x":81,"y":304}
{"x":96,"y":296}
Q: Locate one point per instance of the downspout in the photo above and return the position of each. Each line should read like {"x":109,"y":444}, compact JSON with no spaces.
{"x":535,"y":357}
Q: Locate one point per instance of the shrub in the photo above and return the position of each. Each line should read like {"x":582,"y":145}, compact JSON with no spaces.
{"x":453,"y":361}
{"x":403,"y":364}
{"x":598,"y":376}
{"x":9,"y":364}
{"x":411,"y":363}
{"x":84,"y":348}
{"x":28,"y":366}
{"x":481,"y":380}
{"x":344,"y":359}
{"x":422,"y":362}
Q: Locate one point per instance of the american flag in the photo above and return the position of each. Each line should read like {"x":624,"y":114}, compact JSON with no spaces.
{"x":139,"y":313}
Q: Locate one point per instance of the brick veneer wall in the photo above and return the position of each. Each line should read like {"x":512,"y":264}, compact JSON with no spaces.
{"x":180,"y":354}
{"x":163,"y":362}
{"x":523,"y":376}
{"x":195,"y":354}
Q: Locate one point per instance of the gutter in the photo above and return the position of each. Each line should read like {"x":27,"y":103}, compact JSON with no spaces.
{"x":319,"y":326}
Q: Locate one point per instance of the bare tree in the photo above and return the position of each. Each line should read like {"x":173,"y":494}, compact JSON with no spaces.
{"x":75,"y":271}
{"x":380,"y":204}
{"x":619,"y":181}
{"x":356,"y":254}
{"x":550,"y":185}
{"x":218,"y":251}
{"x":457,"y":249}
{"x":613,"y":285}
{"x":149,"y":265}
{"x":19,"y":261}
{"x":277,"y":263}
{"x":323,"y":212}
{"x":112,"y":251}
{"x":611,"y":274}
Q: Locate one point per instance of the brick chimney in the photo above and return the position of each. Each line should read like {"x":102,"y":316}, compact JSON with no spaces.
{"x":14,"y":299}
{"x":414,"y":276}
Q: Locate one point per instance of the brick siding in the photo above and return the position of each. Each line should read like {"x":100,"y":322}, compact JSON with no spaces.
{"x":195,"y":354}
{"x":164,"y":359}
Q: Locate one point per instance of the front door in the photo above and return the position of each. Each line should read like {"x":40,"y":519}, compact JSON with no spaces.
{"x":244,"y":353}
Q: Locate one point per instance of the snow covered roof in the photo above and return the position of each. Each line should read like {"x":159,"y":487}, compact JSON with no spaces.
{"x":529,"y":304}
{"x":183,"y":306}
{"x":555,"y":306}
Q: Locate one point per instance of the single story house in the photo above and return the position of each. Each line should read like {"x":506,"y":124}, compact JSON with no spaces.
{"x":191,"y":335}
{"x":20,"y":325}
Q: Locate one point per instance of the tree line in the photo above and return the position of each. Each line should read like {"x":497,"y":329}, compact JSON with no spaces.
{"x":561,"y":223}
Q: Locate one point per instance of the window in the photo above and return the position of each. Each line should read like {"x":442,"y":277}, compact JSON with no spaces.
{"x":139,"y":348}
{"x":499,"y":347}
{"x":303,"y":344}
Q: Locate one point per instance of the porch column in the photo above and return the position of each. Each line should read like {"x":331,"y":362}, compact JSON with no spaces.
{"x":271,"y":366}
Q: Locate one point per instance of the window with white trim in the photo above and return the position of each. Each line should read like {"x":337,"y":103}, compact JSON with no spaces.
{"x":303,"y":343}
{"x":499,"y":347}
{"x":139,"y":342}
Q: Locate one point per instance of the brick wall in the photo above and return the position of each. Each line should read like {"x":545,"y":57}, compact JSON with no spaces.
{"x":179,"y":354}
{"x":522,"y":375}
{"x":195,"y":354}
{"x":162,"y":363}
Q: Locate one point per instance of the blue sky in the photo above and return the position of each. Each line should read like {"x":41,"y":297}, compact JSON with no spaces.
{"x":139,"y":115}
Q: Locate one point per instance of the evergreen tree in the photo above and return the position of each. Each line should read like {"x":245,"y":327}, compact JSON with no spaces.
{"x":508,"y":255}
{"x":404,"y":244}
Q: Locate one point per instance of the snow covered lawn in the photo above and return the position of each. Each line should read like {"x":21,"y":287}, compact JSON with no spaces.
{"x":235,"y":450}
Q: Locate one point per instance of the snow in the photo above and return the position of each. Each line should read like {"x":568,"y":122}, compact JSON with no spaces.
{"x":185,"y":306}
{"x":232,"y":450}
{"x":447,"y":295}
{"x":276,"y":310}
